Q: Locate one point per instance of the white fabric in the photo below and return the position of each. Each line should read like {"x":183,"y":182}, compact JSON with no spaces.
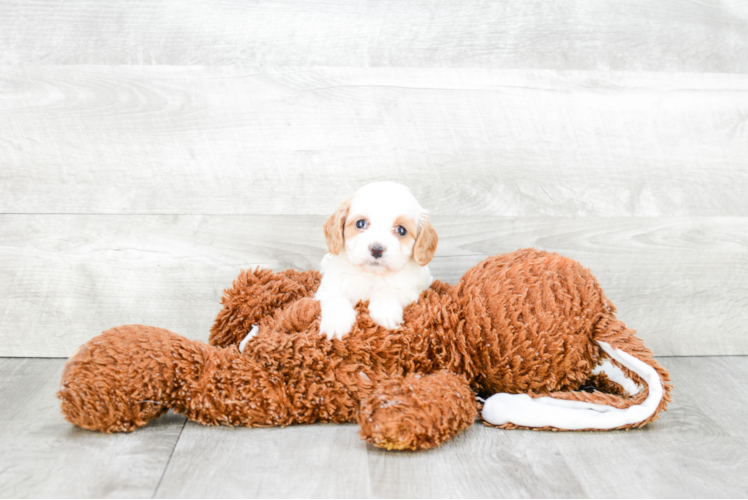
{"x":521,"y":409}
{"x":251,"y":334}
{"x":616,"y":375}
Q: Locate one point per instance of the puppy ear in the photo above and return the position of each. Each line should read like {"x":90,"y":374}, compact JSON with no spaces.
{"x":425,"y":246}
{"x":334,"y":226}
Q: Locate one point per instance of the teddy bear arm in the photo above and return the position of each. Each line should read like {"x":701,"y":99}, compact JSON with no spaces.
{"x":132,"y":374}
{"x":121,"y":379}
{"x":417,"y":412}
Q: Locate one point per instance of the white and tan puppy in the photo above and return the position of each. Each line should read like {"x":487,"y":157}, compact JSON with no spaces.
{"x":380,"y":241}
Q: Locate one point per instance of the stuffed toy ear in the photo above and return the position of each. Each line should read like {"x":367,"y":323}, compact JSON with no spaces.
{"x":334,"y":227}
{"x":425,"y":245}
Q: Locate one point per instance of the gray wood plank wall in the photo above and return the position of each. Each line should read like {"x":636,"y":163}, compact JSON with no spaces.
{"x":150,"y":150}
{"x":668,"y":35}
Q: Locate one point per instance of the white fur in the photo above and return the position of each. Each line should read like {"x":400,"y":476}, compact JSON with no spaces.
{"x":390,"y":282}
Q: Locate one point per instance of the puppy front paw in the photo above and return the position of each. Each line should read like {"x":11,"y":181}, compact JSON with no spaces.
{"x":386,"y":312}
{"x":337,"y":321}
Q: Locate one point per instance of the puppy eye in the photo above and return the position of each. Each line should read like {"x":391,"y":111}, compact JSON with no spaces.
{"x":401,"y":231}
{"x":361,"y":224}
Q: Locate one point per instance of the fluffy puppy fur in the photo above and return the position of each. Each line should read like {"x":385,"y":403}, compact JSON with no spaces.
{"x":380,"y":241}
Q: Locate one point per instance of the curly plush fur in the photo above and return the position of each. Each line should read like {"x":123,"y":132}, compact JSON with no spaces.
{"x":526,"y":322}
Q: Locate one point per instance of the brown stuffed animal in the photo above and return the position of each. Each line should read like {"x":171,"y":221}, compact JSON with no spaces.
{"x":533,"y":326}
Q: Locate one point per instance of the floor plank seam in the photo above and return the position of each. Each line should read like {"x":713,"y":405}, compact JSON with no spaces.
{"x":166,"y":467}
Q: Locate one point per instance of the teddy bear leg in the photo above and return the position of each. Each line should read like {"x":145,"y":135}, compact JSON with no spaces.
{"x":257,"y":295}
{"x":417,"y":412}
{"x":119,"y":380}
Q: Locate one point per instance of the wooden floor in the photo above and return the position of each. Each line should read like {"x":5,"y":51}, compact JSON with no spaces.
{"x":698,"y":449}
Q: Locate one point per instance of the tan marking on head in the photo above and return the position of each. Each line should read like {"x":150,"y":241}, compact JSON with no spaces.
{"x":410,"y":226}
{"x":334,"y":228}
{"x":423,"y":250}
{"x":351,"y":230}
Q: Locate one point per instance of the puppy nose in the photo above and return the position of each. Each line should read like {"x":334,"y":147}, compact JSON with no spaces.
{"x":376,"y":250}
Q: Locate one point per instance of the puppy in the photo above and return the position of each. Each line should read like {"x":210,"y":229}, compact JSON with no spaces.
{"x":380,"y":241}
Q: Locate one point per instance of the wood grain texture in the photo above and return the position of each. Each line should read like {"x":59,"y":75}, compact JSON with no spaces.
{"x":638,"y":35}
{"x":240,"y":140}
{"x":42,"y":455}
{"x":647,"y":465}
{"x":314,"y":461}
{"x":697,"y":450}
{"x":681,"y":282}
{"x":480,"y":463}
{"x":720,"y":383}
{"x":330,"y":461}
{"x":67,"y":278}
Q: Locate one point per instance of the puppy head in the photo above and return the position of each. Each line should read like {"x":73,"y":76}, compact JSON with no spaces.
{"x":381,"y":228}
